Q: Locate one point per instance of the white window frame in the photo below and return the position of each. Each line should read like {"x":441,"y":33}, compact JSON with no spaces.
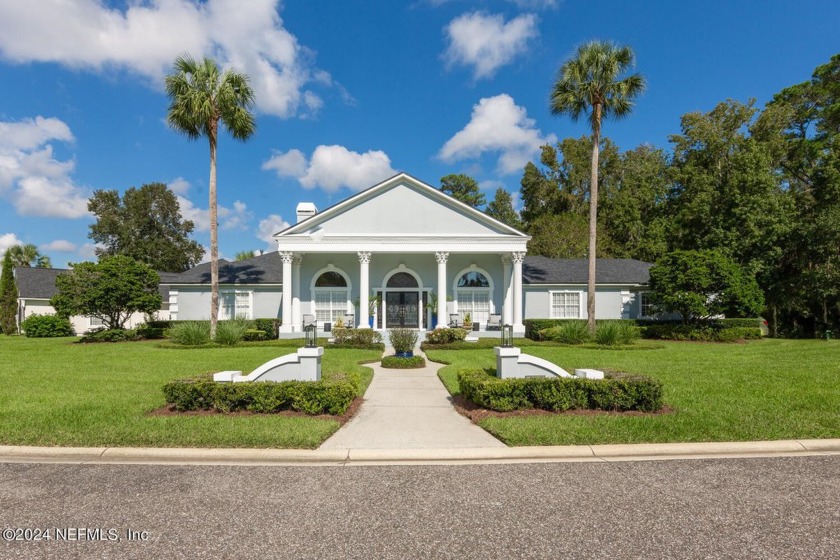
{"x":642,"y":304}
{"x":338,"y":307}
{"x":236,"y":294}
{"x":95,"y":322}
{"x":551,"y":312}
{"x":480,"y":316}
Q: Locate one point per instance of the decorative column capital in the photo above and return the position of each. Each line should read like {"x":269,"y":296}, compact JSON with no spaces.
{"x":441,"y":257}
{"x":506,"y":259}
{"x":364,"y":257}
{"x":287,"y":257}
{"x":297,"y":259}
{"x":517,"y":257}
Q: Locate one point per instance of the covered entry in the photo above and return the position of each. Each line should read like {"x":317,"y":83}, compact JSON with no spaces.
{"x":402,"y":301}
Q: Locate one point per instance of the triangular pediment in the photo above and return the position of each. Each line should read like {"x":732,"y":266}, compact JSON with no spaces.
{"x":402,"y":206}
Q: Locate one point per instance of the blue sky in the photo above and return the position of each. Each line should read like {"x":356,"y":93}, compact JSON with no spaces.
{"x":347,"y":94}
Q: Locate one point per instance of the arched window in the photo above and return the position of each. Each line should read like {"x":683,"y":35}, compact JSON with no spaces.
{"x":402,"y":280}
{"x":330,"y":294}
{"x":473,"y":279}
{"x":473,"y":292}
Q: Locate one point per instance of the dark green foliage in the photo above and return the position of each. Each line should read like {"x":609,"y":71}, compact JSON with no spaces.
{"x":271,"y":327}
{"x":252,"y":335}
{"x":110,"y":335}
{"x":147,"y":332}
{"x":28,"y":255}
{"x":8,"y":297}
{"x":397,"y":362}
{"x":501,"y":208}
{"x":445,"y":336}
{"x":47,"y":326}
{"x":190,"y":333}
{"x":357,"y":338}
{"x":403,"y":340}
{"x":230,"y":333}
{"x":157,"y":324}
{"x":707,"y":331}
{"x":464,"y":188}
{"x":613,"y":333}
{"x":615,"y":393}
{"x":146,"y":225}
{"x":111,"y":290}
{"x":701,"y":284}
{"x":310,"y":397}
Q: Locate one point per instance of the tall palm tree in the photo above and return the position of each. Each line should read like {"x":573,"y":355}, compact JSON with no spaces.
{"x":201,"y":96}
{"x":28,"y":255}
{"x":590,"y":84}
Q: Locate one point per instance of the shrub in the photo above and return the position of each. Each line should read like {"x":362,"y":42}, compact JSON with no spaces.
{"x":445,"y":336}
{"x":47,"y":326}
{"x":109,"y":335}
{"x":310,"y":397}
{"x":271,"y":327}
{"x":612,"y":333}
{"x":534,"y":326}
{"x":148,"y":332}
{"x":158,"y":324}
{"x":403,"y":340}
{"x":712,"y":331}
{"x":253,"y":334}
{"x":397,"y":362}
{"x":230,"y":333}
{"x":617,"y":393}
{"x":567,"y":332}
{"x":359,"y":338}
{"x":191,"y":333}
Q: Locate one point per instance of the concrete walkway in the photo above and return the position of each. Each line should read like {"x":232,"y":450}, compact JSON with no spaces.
{"x":408,"y":409}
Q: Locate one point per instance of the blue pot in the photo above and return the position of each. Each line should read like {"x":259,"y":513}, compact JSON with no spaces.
{"x":405,"y":354}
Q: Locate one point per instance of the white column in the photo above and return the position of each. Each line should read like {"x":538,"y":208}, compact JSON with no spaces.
{"x":364,"y":289}
{"x":286,"y":318}
{"x":517,"y":291}
{"x":442,"y":317}
{"x":297,"y":260}
{"x":507,"y":306}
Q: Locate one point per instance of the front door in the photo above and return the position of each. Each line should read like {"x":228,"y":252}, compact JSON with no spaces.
{"x":402,"y":309}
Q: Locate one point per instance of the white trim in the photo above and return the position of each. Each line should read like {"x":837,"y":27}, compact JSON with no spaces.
{"x":235,"y":292}
{"x":402,"y":268}
{"x":348,"y":305}
{"x":489,"y":291}
{"x":581,"y":300}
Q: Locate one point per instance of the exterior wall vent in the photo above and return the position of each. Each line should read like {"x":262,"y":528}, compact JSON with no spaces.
{"x":305,"y":210}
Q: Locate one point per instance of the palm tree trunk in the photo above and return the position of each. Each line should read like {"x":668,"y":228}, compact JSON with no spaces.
{"x":593,"y":219}
{"x":214,"y":237}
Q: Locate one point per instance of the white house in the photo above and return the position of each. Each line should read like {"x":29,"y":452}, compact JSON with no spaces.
{"x":417,"y":254}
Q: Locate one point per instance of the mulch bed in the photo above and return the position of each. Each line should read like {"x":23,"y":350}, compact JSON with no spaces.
{"x":169,"y":410}
{"x":476,"y":413}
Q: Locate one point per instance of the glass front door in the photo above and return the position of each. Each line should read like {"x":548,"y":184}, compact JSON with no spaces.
{"x":402,"y":309}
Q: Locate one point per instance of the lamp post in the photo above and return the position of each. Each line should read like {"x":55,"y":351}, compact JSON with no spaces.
{"x":311,"y":336}
{"x":507,"y":336}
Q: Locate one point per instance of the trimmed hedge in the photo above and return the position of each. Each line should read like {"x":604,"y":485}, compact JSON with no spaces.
{"x":251,"y":335}
{"x":310,"y":397}
{"x":445,"y":336}
{"x":271,"y":327}
{"x":711,"y":330}
{"x":701,"y":332}
{"x":356,"y":338}
{"x":151,"y":333}
{"x":109,"y":335}
{"x":47,"y":326}
{"x":396,"y":362}
{"x":558,"y":394}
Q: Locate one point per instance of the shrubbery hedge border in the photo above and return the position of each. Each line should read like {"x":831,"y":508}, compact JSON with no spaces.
{"x":557,"y":394}
{"x":396,"y":362}
{"x":716,"y":330}
{"x":310,"y":397}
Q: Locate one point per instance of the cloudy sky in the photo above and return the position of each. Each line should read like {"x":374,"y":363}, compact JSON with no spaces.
{"x":347,"y":94}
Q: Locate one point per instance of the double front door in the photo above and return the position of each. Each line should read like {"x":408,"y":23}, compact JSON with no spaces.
{"x":402,"y":309}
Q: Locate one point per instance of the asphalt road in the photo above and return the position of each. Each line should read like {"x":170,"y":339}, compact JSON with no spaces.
{"x":718,"y":508}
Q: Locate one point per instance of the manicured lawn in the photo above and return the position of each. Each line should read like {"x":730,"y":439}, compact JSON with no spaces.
{"x":55,"y":392}
{"x":763,"y":390}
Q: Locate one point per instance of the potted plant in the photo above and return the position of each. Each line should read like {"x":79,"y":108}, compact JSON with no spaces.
{"x":468,"y":322}
{"x":432,"y":306}
{"x":403,"y":341}
{"x":373,"y":303}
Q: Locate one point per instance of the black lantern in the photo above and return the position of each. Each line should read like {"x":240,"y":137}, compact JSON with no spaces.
{"x":311,"y":335}
{"x":507,"y":336}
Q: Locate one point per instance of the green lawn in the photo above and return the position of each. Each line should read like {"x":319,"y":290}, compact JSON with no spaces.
{"x":763,"y":390}
{"x":56,"y":392}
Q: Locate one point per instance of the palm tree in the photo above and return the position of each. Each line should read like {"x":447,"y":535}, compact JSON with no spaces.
{"x":201,"y":96}
{"x":28,"y":255}
{"x":589,"y":84}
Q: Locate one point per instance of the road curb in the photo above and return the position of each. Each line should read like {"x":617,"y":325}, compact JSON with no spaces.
{"x":350,"y":457}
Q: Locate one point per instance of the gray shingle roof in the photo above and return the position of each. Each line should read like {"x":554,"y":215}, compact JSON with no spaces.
{"x":39,"y":283}
{"x":265,"y":269}
{"x":543,"y":270}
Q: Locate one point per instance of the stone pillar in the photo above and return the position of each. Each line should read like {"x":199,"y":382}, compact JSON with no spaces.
{"x":297,"y":260}
{"x":442,"y":317}
{"x":517,"y":291}
{"x":286,"y":318}
{"x":364,"y":289}
{"x":507,"y":306}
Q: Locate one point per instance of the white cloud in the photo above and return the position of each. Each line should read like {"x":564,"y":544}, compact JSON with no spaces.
{"x":88,"y":251}
{"x":332,"y":167}
{"x":8,"y":240}
{"x":486,"y":42}
{"x":146,"y":36}
{"x":38,"y":183}
{"x":497,"y":124}
{"x":537,"y":4}
{"x":237,"y":217}
{"x":268,"y":227}
{"x":61,"y":245}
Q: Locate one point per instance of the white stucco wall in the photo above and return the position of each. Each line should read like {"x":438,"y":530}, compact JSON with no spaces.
{"x":611,"y":302}
{"x":193,"y":302}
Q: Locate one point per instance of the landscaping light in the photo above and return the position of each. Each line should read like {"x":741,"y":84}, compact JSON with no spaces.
{"x":311,"y":335}
{"x":507,"y":336}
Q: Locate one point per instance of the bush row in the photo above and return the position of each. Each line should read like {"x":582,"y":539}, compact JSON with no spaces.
{"x":357,"y":338}
{"x":720,"y":330}
{"x":706,"y":333}
{"x":561,"y":393}
{"x":110,"y":335}
{"x":47,"y":326}
{"x":396,"y":362}
{"x":445,"y":336}
{"x":310,"y":397}
{"x":271,"y":327}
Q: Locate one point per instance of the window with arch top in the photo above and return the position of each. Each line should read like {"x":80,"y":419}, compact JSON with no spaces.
{"x":402,"y":280}
{"x":473,"y":294}
{"x":330,"y":293}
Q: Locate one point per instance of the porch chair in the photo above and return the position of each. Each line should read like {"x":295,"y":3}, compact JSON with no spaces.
{"x":494,"y":323}
{"x":349,"y":320}
{"x":454,"y":320}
